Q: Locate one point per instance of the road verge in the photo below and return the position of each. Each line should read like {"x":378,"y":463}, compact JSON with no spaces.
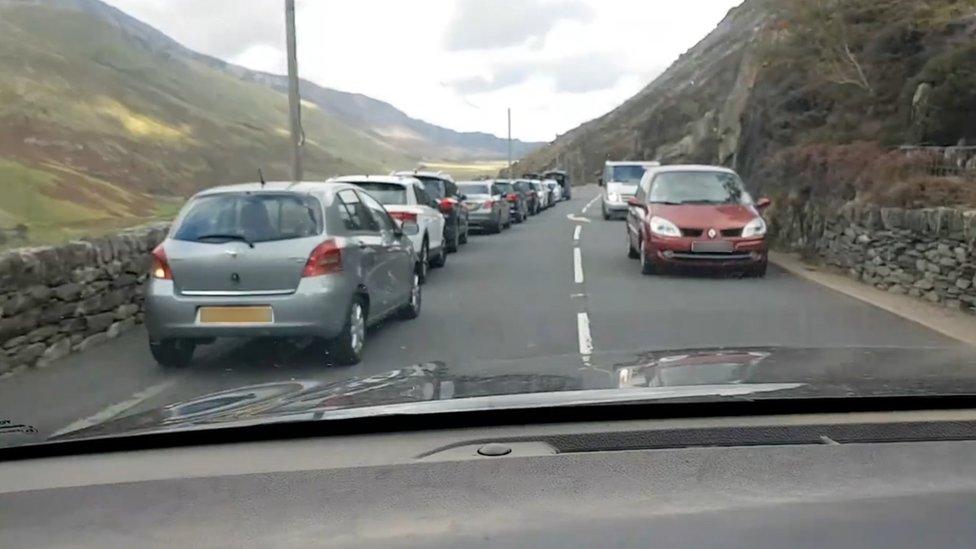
{"x":955,"y":324}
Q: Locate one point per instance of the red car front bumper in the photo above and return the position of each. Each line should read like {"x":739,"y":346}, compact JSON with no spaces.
{"x":682,"y":252}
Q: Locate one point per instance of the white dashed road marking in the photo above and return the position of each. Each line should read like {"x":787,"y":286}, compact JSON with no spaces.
{"x":585,"y":339}
{"x":578,"y":265}
{"x":592,"y":202}
{"x":116,"y":409}
{"x":582,"y":319}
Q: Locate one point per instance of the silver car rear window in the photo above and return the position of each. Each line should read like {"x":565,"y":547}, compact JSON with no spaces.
{"x":252,"y":217}
{"x":474,"y":188}
{"x":503,"y":188}
{"x":388,"y":194}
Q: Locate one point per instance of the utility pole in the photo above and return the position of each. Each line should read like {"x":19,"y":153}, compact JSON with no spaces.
{"x":294,"y":98}
{"x":510,"y":174}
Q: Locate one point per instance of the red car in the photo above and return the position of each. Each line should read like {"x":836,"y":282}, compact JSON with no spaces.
{"x":696,"y":216}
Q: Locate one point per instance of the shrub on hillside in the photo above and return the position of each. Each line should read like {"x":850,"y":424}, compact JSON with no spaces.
{"x":945,"y":109}
{"x":866,"y":172}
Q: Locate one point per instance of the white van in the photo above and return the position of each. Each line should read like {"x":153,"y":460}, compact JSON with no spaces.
{"x":619,"y":182}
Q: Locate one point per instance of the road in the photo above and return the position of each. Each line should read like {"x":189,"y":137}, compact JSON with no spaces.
{"x":525,"y":294}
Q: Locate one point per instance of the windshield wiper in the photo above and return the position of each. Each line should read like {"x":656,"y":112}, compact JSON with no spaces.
{"x":667,"y":202}
{"x":238,"y":237}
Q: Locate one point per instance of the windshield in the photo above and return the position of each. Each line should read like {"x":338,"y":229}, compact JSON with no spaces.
{"x":474,"y":188}
{"x":698,"y":188}
{"x":388,"y":194}
{"x":625,"y":174}
{"x":251,"y":218}
{"x":210,"y":212}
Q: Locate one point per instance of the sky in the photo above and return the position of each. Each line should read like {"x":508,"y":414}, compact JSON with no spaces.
{"x":456,"y":63}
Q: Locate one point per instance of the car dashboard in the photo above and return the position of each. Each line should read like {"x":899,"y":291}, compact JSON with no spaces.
{"x":900,"y":479}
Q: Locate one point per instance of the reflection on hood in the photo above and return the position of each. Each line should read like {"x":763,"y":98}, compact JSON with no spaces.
{"x":712,"y":368}
{"x":768,"y":373}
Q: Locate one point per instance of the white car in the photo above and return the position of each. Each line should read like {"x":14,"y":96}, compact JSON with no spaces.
{"x":541,"y":192}
{"x":441,"y":187}
{"x":406,"y":200}
{"x":556,"y":190}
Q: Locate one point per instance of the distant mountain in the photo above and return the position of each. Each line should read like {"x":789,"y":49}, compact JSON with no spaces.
{"x":392,"y":126}
{"x":380,"y":119}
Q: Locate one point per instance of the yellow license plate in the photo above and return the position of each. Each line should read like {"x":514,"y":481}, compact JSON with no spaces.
{"x":236,"y":315}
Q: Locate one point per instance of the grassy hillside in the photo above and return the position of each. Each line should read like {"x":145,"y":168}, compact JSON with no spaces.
{"x":97,"y":125}
{"x":806,"y":97}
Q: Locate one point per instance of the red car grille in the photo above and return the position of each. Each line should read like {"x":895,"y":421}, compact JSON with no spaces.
{"x":696,"y":233}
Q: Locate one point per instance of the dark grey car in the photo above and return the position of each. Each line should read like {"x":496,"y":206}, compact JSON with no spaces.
{"x":279,"y":260}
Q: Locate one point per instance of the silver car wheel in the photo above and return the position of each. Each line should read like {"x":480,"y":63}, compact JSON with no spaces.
{"x":357,"y":328}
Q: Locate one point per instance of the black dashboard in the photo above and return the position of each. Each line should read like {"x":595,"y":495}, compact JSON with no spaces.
{"x":902,"y":479}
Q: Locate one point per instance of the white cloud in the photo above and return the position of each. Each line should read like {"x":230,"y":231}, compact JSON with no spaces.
{"x":492,"y":24}
{"x":457,"y":63}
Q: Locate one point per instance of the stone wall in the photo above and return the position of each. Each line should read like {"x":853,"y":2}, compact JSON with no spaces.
{"x":57,"y":300}
{"x":925,"y":253}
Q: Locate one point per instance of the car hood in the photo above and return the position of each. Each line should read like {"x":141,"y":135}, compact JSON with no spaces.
{"x":721,"y":216}
{"x":756,"y":372}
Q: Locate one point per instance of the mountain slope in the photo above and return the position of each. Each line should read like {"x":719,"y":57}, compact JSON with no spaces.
{"x":105,"y":122}
{"x":106,"y":116}
{"x":803,"y":96}
{"x":392,"y":126}
{"x":380,"y":120}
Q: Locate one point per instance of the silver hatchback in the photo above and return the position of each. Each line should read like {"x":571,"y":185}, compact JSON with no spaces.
{"x":279,"y":260}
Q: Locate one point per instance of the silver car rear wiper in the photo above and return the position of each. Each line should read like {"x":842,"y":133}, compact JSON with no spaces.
{"x":239,"y":237}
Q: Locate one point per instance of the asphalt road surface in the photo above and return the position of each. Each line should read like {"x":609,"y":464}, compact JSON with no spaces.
{"x":523,"y":294}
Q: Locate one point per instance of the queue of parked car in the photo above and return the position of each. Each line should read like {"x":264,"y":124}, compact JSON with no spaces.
{"x":318,"y":260}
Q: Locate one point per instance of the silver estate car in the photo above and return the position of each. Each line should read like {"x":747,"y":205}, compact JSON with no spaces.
{"x":279,"y":260}
{"x":488,"y":209}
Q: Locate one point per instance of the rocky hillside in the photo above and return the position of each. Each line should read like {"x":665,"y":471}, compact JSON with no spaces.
{"x":807,"y":96}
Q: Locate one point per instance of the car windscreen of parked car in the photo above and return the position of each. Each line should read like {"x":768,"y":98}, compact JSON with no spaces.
{"x":250,"y":217}
{"x":474,"y":188}
{"x":388,"y":194}
{"x":699,"y":188}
